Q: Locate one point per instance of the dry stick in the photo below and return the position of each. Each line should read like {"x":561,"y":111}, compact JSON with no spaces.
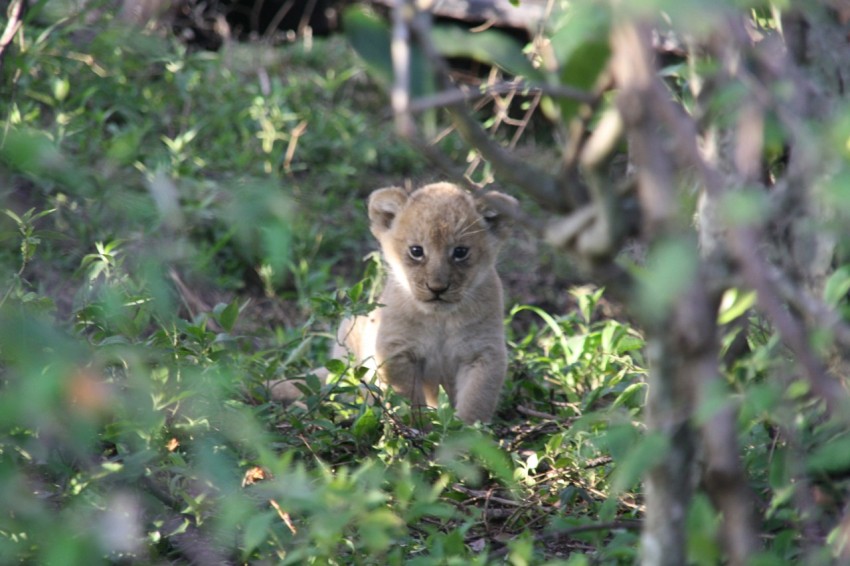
{"x":15,"y":13}
{"x":486,"y":495}
{"x":724,"y":478}
{"x":477,"y":159}
{"x":304,"y":22}
{"x":544,"y":187}
{"x":540,"y":185}
{"x":402,"y":12}
{"x":534,"y":413}
{"x":803,"y":492}
{"x":554,"y":535}
{"x":612,"y":526}
{"x":525,"y":120}
{"x":193,"y":543}
{"x":281,"y":13}
{"x":456,"y":95}
{"x":576,"y":140}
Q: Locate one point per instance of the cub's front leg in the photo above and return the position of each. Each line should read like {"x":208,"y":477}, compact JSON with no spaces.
{"x":404,"y":371}
{"x":478,"y":384}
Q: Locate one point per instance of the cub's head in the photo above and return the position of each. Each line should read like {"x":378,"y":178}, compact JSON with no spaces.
{"x":440,"y":241}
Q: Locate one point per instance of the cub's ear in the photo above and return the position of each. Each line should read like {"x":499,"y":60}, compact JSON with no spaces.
{"x":384,"y":205}
{"x":498,"y":211}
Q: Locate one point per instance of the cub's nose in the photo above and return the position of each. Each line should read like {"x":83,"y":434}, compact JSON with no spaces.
{"x":437,"y":288}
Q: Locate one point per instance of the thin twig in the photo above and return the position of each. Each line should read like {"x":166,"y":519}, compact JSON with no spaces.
{"x":818,"y":313}
{"x":621,"y":525}
{"x":456,"y":95}
{"x":400,"y":54}
{"x":487,"y":496}
{"x":15,"y":12}
{"x":744,"y":244}
{"x":542,"y":186}
{"x":535,"y":413}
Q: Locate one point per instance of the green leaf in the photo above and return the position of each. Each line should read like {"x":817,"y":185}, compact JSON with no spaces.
{"x":124,"y":146}
{"x":491,"y":47}
{"x":778,"y":473}
{"x":30,"y":151}
{"x":581,"y":48}
{"x":834,"y":456}
{"x":356,"y":291}
{"x":581,"y":70}
{"x":11,"y":214}
{"x":670,"y":268}
{"x":521,"y":549}
{"x":41,"y":214}
{"x":648,"y":452}
{"x":745,"y":207}
{"x":494,"y":459}
{"x":587,"y":298}
{"x":625,"y":398}
{"x":366,"y":424}
{"x":702,"y":522}
{"x":379,"y":529}
{"x":370,"y":37}
{"x":256,"y":531}
{"x":629,"y":343}
{"x":618,"y":440}
{"x":837,"y":286}
{"x":297,"y":353}
{"x":734,"y":304}
{"x":61,"y":88}
{"x":610,"y":335}
{"x":336,"y":367}
{"x":550,"y":322}
{"x":227,"y":317}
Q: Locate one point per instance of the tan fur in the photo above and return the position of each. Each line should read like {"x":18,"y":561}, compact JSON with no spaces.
{"x":441,"y":319}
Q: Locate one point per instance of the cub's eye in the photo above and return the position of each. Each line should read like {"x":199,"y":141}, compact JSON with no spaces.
{"x":460,"y":253}
{"x":416,"y":252}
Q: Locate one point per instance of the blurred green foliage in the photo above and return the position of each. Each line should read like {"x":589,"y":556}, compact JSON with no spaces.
{"x":135,"y":424}
{"x":182,"y":229}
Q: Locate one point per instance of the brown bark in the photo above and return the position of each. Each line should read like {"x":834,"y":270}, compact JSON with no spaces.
{"x":683,"y":342}
{"x":668,"y":485}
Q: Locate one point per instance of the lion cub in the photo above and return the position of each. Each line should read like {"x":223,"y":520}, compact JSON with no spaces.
{"x":440,"y":322}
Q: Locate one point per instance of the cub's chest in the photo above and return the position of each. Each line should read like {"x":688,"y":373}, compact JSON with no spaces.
{"x":436,"y":340}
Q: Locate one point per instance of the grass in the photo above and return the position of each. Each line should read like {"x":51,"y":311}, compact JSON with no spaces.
{"x":183,"y":228}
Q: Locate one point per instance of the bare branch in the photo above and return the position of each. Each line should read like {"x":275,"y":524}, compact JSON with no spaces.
{"x":15,"y":14}
{"x":638,"y":92}
{"x":814,"y":310}
{"x":670,"y":400}
{"x":456,"y":95}
{"x":400,"y":53}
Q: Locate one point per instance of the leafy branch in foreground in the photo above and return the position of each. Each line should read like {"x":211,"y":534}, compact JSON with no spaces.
{"x":714,"y":121}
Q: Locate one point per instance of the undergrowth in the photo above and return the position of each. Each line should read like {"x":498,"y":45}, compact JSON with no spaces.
{"x":183,"y":229}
